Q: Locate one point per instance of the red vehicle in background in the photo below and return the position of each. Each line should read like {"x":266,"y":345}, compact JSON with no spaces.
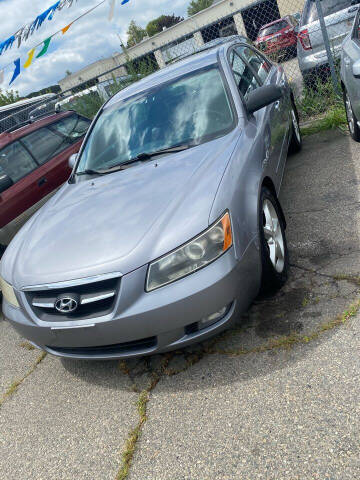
{"x":278,"y":39}
{"x":33,"y":164}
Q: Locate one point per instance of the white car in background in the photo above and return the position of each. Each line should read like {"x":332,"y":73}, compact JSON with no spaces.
{"x":350,"y":78}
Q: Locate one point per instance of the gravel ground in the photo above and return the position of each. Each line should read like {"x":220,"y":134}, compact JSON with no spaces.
{"x":275,"y":398}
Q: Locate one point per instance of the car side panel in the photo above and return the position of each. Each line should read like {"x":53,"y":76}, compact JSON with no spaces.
{"x":351,"y":54}
{"x":35,"y":186}
{"x":57,"y":169}
{"x":21,"y":196}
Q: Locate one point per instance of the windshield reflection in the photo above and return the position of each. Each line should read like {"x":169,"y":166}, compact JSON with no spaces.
{"x":189,"y":110}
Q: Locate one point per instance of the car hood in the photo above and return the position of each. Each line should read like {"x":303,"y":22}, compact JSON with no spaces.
{"x":121,"y":221}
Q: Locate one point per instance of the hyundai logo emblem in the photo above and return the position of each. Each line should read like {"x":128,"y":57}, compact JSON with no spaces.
{"x":66,"y":304}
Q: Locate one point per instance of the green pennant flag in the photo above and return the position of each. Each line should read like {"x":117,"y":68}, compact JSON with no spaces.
{"x":45,"y":47}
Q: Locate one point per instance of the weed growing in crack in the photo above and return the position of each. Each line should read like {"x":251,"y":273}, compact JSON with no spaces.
{"x":14,"y":386}
{"x":133,"y":438}
{"x":27,"y":346}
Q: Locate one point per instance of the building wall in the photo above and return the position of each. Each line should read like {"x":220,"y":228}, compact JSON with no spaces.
{"x":157,"y":44}
{"x":94,"y":70}
{"x":286,"y":7}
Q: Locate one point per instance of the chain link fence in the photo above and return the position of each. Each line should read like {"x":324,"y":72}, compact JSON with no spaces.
{"x":304,"y":37}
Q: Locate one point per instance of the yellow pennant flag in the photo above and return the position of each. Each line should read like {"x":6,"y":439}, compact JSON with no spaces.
{"x":30,"y":58}
{"x":65,"y":29}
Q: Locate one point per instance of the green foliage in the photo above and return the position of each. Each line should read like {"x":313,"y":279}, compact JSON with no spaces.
{"x":157,"y":25}
{"x":198,"y":5}
{"x":135,"y":34}
{"x":317,"y":99}
{"x":87,"y":105}
{"x":334,"y":118}
{"x":7,"y":97}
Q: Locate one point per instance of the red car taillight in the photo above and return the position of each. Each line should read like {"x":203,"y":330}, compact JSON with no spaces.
{"x":305,"y":39}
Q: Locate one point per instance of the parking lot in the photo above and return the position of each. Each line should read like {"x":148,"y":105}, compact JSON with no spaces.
{"x":277,"y":397}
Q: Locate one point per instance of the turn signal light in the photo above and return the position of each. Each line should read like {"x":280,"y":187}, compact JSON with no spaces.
{"x":305,"y":39}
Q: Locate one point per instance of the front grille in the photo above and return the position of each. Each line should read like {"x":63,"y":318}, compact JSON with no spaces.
{"x":127,"y":347}
{"x":93,"y":299}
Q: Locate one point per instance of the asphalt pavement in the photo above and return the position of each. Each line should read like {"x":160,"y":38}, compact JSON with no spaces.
{"x":276,"y":397}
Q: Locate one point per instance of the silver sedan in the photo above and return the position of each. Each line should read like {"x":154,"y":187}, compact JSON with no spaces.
{"x":170,"y":223}
{"x":350,"y":78}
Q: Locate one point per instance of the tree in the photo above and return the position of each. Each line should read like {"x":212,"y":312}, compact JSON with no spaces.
{"x":7,"y":97}
{"x":198,"y":5}
{"x":68,"y":73}
{"x":135,"y":34}
{"x":157,"y":25}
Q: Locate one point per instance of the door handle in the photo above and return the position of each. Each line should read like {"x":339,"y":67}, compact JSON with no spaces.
{"x":42,"y":182}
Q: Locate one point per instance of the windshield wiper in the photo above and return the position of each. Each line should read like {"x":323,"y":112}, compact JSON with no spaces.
{"x":90,"y":171}
{"x":141,"y":157}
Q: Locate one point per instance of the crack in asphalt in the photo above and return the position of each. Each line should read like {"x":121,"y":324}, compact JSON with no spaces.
{"x":324,"y":209}
{"x":16,"y":383}
{"x":145,"y":373}
{"x":159,"y":366}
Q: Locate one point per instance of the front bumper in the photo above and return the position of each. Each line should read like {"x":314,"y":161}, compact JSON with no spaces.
{"x":146,"y":323}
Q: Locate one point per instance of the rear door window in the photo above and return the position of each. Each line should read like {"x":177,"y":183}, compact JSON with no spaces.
{"x":73,"y":127}
{"x":273,"y":28}
{"x":245,"y":77}
{"x":44,"y":144}
{"x":257,"y":62}
{"x":16,"y":162}
{"x":329,"y":7}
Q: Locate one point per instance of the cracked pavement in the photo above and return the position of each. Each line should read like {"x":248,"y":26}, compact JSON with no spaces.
{"x":276,"y":397}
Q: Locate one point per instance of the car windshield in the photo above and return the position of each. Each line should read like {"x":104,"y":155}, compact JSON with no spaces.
{"x":273,"y":28}
{"x":329,"y":7}
{"x":190,"y":110}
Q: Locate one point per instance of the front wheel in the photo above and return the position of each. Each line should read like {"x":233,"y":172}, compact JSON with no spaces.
{"x":296,"y":139}
{"x":351,"y":118}
{"x":274,"y":251}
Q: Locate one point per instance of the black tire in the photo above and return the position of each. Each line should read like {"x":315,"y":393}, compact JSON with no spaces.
{"x":295,"y":144}
{"x":354,"y":130}
{"x":273,"y":278}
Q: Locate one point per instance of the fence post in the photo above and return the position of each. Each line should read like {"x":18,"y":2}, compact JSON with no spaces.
{"x":327,"y":46}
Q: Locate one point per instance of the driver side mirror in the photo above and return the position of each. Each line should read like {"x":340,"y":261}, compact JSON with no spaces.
{"x":262,"y":97}
{"x":72,"y":160}
{"x":5,"y":183}
{"x":356,"y":69}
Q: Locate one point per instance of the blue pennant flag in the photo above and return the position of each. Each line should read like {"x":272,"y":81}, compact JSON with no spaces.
{"x":16,"y":71}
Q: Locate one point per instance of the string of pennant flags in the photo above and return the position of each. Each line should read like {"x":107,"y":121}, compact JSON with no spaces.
{"x":27,"y":30}
{"x":46,"y":43}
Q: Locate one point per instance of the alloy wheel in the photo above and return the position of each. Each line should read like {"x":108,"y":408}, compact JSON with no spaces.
{"x":296,"y":125}
{"x":273,"y":236}
{"x":350,"y":114}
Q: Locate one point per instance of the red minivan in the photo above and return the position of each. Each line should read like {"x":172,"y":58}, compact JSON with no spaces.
{"x":33,"y":164}
{"x":279,"y":38}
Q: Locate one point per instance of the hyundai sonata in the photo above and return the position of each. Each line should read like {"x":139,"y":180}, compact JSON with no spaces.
{"x":170,"y":222}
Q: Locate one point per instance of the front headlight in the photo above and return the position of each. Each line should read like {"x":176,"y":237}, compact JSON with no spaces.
{"x":192,"y":256}
{"x":8,"y":293}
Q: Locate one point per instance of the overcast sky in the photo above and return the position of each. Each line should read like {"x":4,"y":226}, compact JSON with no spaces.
{"x":90,"y":39}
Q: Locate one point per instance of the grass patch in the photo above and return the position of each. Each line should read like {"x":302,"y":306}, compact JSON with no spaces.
{"x":27,"y":346}
{"x":334,"y":118}
{"x":134,"y":436}
{"x":16,"y":383}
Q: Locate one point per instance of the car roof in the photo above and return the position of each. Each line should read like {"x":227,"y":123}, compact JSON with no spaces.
{"x":6,"y":138}
{"x":200,"y":59}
